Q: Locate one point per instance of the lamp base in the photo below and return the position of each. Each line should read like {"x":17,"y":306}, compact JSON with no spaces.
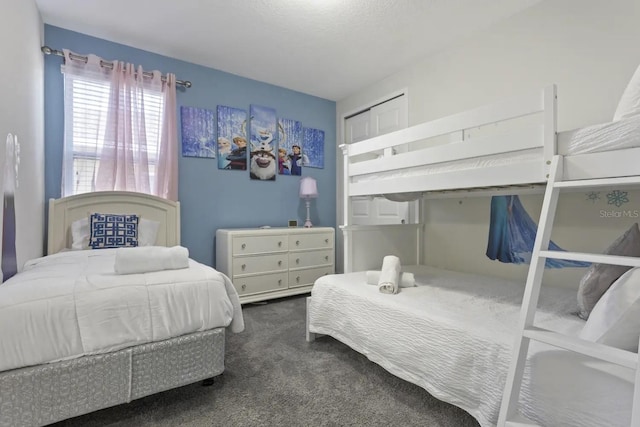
{"x":307,"y":223}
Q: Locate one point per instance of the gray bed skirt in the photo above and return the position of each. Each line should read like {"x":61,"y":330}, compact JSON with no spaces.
{"x":44,"y":394}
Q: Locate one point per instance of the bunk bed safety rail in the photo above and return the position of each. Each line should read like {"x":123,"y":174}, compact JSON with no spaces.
{"x":524,"y":105}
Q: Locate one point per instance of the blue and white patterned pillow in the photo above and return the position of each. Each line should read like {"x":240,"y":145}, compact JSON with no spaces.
{"x":113,"y":231}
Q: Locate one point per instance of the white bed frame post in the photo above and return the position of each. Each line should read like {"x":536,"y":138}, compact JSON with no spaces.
{"x":346,"y":213}
{"x":509,"y":407}
{"x":550,"y":105}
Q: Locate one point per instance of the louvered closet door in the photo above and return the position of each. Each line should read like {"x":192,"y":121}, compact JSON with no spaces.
{"x":383,"y":118}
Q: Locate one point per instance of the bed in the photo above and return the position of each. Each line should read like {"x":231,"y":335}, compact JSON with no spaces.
{"x":452,"y":335}
{"x":76,"y":337}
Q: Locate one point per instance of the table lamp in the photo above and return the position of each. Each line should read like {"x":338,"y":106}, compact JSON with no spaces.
{"x":308,"y":191}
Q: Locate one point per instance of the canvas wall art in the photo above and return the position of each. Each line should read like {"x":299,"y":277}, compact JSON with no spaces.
{"x":290,"y":159}
{"x":232,"y":138}
{"x":313,"y":147}
{"x":263,"y":163}
{"x":198,"y":132}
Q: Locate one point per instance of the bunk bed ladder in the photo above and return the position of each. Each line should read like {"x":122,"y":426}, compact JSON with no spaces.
{"x":509,"y":415}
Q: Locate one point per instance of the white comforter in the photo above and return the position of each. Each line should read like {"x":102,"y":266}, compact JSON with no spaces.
{"x":452,"y":335}
{"x":71,"y":304}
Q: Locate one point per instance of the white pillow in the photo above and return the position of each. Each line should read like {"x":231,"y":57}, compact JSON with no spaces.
{"x":81,"y":231}
{"x":629,"y":104}
{"x":615,"y":319}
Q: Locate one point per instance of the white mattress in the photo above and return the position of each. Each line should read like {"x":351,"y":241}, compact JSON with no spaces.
{"x":602,"y":137}
{"x":72,"y":304}
{"x":592,"y":139}
{"x":453,"y":336}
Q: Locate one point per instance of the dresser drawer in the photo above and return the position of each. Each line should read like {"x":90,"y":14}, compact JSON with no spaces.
{"x":311,"y":241}
{"x":259,"y":244}
{"x":263,"y":283}
{"x":307,"y":277}
{"x":310,"y":258}
{"x":259,"y":263}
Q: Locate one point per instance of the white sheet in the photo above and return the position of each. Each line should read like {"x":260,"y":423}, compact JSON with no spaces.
{"x":72,"y":304}
{"x":601,"y":137}
{"x":590,"y":139}
{"x":452,"y":335}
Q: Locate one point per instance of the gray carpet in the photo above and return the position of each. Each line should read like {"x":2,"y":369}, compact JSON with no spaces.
{"x":273,"y":377}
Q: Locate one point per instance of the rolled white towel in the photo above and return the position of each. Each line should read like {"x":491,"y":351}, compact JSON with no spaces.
{"x":407,"y":280}
{"x":150,"y":258}
{"x":389,"y":275}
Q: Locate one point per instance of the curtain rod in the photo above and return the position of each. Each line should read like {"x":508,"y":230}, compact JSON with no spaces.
{"x":48,"y":51}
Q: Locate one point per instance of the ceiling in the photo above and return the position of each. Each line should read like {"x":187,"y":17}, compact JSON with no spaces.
{"x":326,"y":48}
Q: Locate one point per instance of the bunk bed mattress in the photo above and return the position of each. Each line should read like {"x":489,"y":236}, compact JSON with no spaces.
{"x":453,"y":334}
{"x":72,"y":304}
{"x":601,"y":137}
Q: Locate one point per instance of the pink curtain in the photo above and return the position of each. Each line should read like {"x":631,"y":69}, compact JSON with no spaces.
{"x":136,"y":143}
{"x":167,"y":169}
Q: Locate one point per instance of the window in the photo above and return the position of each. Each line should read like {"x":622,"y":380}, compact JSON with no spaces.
{"x":89,"y":121}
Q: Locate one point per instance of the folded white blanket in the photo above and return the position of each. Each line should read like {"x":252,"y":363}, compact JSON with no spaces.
{"x":407,"y":280}
{"x":390,"y":275}
{"x":150,"y":258}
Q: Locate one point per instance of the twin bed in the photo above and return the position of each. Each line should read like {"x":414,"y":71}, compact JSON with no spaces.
{"x":453,"y":333}
{"x":76,"y":337}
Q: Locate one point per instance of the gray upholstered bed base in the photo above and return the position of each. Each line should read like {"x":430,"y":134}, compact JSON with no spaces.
{"x":44,"y":394}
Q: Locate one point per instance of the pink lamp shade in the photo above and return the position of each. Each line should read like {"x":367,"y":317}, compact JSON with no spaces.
{"x":308,"y":188}
{"x":308,"y":191}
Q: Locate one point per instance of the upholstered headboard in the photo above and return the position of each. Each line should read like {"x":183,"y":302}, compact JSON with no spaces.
{"x":63,"y":212}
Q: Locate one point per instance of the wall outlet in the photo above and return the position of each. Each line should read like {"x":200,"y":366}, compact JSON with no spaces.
{"x":293,"y":223}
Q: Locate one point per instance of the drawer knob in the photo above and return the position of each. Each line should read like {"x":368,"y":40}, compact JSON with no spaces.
{"x":279,"y":282}
{"x":326,"y":258}
{"x":280,"y":262}
{"x":326,"y":240}
{"x":244,"y":245}
{"x":298,"y":279}
{"x":279,"y":244}
{"x":244,"y":287}
{"x":244,"y":266}
{"x":297,"y":242}
{"x":297,"y":260}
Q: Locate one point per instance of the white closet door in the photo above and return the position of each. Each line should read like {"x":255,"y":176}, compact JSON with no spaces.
{"x":383,"y":118}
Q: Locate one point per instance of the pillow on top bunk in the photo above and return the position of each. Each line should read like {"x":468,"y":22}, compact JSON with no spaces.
{"x":615,"y":320}
{"x":629,"y":104}
{"x":81,"y":232}
{"x":599,"y":277}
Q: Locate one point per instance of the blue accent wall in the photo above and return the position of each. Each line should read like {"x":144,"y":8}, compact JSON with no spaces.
{"x":210,"y":198}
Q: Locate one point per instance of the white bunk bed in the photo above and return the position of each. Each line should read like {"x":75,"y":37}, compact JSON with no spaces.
{"x":523,"y":153}
{"x":517,"y":142}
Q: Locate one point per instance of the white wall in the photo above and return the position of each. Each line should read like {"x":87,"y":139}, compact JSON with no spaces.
{"x":589,"y":48}
{"x":21,"y":113}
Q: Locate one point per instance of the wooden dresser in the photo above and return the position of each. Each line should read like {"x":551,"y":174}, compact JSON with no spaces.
{"x":274,"y":262}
